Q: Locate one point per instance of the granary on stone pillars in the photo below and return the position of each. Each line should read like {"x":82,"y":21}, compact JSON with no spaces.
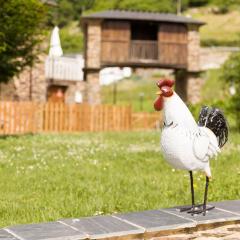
{"x":142,"y":40}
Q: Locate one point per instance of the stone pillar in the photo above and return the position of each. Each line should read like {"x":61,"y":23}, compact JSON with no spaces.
{"x":181,"y":84}
{"x":193,"y":49}
{"x":188,"y":85}
{"x":93,"y":87}
{"x":189,"y":81}
{"x":92,"y":60}
{"x":195,"y":83}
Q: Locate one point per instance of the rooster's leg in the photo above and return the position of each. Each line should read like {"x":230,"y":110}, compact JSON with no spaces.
{"x":204,"y":208}
{"x":185,"y":209}
{"x":192,"y":189}
{"x":205,"y":196}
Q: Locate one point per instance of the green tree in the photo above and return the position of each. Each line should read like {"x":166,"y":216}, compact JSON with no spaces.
{"x":231,"y":75}
{"x":21,"y":27}
{"x":69,"y":10}
{"x":140,"y":5}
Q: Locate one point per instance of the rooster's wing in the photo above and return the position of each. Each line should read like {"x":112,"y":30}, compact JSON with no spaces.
{"x":205,"y":144}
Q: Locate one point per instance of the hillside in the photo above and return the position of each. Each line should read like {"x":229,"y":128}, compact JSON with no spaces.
{"x":220,"y":29}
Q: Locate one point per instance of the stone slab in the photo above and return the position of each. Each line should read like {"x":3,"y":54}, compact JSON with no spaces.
{"x":156,"y":220}
{"x":103,"y":226}
{"x":231,"y":206}
{"x":213,"y":216}
{"x":46,"y":231}
{"x":4,"y":235}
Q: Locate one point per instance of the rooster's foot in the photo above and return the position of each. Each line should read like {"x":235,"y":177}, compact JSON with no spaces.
{"x":192,"y":208}
{"x":201,"y":209}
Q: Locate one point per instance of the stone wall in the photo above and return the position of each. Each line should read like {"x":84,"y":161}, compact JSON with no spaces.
{"x":72,"y":89}
{"x":7,"y":91}
{"x":28,"y":85}
{"x":214,"y":57}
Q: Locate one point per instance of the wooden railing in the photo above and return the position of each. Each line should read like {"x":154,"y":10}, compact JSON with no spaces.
{"x":30,"y":117}
{"x":64,"y":68}
{"x":143,"y":50}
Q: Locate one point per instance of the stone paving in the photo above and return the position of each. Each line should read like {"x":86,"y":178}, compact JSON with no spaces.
{"x":223,"y":222}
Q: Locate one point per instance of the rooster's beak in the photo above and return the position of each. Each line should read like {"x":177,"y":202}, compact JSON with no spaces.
{"x":158,"y":93}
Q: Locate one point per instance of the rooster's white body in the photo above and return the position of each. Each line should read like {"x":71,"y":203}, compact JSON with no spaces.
{"x":184,"y":144}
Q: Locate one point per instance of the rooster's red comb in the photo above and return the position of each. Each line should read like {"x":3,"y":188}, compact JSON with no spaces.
{"x":165,"y":82}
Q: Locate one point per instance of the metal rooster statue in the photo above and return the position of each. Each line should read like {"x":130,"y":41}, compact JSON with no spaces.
{"x":186,"y":144}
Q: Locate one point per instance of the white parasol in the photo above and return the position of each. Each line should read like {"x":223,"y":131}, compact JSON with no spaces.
{"x":55,"y":44}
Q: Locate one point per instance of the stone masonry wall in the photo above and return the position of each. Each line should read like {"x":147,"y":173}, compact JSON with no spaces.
{"x":38,"y":83}
{"x":193,"y":49}
{"x":92,"y":65}
{"x":19,"y":87}
{"x":93,"y":51}
{"x":72,"y":89}
{"x":7,"y":91}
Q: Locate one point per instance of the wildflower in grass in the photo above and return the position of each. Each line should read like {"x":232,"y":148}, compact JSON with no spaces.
{"x":98,"y":213}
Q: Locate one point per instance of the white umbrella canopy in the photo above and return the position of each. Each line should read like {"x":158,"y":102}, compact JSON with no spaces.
{"x":55,"y":44}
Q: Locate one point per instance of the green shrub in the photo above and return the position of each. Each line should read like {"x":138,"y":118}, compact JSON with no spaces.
{"x":198,"y":3}
{"x":231,"y":75}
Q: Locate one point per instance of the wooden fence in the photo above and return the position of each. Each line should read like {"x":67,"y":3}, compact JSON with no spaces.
{"x":30,"y":117}
{"x":144,"y":120}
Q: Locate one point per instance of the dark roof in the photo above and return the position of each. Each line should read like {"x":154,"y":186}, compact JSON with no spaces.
{"x":144,"y":16}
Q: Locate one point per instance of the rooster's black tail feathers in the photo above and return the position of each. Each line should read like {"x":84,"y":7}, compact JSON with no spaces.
{"x":214,"y":119}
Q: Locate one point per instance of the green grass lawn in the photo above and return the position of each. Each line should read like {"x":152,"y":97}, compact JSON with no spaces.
{"x":49,"y":177}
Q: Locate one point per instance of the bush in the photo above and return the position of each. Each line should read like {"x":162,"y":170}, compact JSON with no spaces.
{"x":198,"y":3}
{"x":231,"y":75}
{"x":223,"y":5}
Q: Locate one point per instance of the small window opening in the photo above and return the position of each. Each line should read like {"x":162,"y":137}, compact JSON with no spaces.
{"x":144,"y":31}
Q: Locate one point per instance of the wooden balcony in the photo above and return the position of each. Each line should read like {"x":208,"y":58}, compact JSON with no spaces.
{"x":142,"y":50}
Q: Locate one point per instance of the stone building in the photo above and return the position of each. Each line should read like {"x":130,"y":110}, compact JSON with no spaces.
{"x":50,"y":79}
{"x":145,"y":40}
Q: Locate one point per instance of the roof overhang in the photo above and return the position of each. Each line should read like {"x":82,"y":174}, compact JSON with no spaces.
{"x":141,"y":16}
